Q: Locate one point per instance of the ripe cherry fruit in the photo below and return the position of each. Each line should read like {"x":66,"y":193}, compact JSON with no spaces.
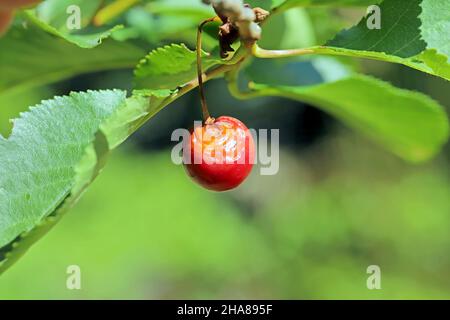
{"x":222,"y":154}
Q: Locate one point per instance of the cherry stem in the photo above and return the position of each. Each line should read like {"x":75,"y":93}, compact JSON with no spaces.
{"x":206,"y":115}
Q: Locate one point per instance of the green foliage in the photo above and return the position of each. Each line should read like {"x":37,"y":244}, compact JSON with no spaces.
{"x":193,"y":9}
{"x":286,"y":4}
{"x":48,"y":148}
{"x":62,"y":145}
{"x":281,"y":31}
{"x":314,"y":241}
{"x":54,"y":12}
{"x":285,"y":72}
{"x":403,"y":38}
{"x":409,"y":124}
{"x":35,"y":58}
{"x":172,"y":19}
{"x":169,"y":67}
{"x":435,"y":28}
{"x":12,"y":104}
{"x":57,"y":148}
{"x":201,"y":241}
{"x":399,"y":34}
{"x":86,"y":40}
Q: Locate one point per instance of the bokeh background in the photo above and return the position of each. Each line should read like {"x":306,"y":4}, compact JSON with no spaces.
{"x":338,"y":204}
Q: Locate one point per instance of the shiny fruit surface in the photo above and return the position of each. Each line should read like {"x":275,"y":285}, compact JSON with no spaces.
{"x":222,"y":154}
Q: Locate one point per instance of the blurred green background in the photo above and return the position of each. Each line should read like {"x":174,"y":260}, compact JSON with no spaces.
{"x":338,"y":204}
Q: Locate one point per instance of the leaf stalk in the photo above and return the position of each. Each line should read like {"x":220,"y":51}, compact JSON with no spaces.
{"x":205,"y":111}
{"x":274,"y":54}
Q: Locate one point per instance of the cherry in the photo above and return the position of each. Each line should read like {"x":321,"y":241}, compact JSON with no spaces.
{"x":221,"y":155}
{"x":222,"y":151}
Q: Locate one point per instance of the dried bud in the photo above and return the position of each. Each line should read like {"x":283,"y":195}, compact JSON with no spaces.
{"x":231,"y":8}
{"x":247,"y":15}
{"x":239,"y":21}
{"x":261,"y":14}
{"x":249,"y":31}
{"x":255,"y":31}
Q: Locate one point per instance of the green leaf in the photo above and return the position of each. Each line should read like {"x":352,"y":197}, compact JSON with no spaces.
{"x":169,"y":67}
{"x":438,"y":63}
{"x":408,"y":36}
{"x":286,"y":4}
{"x":427,"y":61}
{"x":176,"y":20}
{"x":435,"y":27}
{"x":55,"y":12}
{"x":435,"y":30}
{"x":409,"y":124}
{"x":281,"y":30}
{"x":12,"y":104}
{"x":53,"y":154}
{"x":83,"y":40}
{"x":56,"y":150}
{"x":181,"y":8}
{"x":49,"y":140}
{"x":288,"y":72}
{"x":399,"y":34}
{"x":35,"y":58}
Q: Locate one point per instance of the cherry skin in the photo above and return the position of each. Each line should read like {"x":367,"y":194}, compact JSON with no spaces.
{"x":222,"y":154}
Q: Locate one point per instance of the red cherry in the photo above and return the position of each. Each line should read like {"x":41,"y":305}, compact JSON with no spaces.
{"x":222,"y":154}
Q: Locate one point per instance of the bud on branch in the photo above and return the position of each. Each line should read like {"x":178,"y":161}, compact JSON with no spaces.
{"x":239,"y":21}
